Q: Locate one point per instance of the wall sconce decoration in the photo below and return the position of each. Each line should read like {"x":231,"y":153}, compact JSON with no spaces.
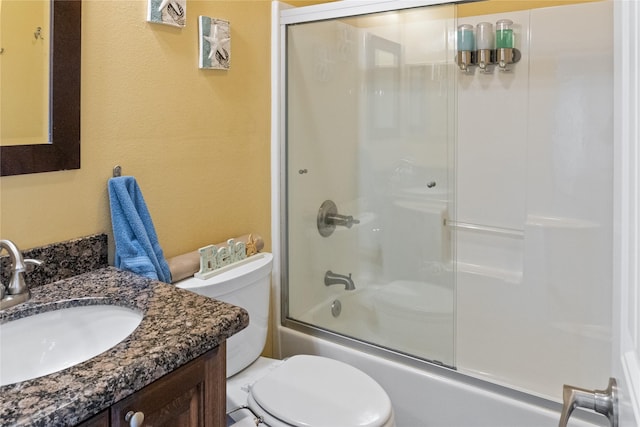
{"x":168,"y":12}
{"x":484,"y":50}
{"x":214,"y":37}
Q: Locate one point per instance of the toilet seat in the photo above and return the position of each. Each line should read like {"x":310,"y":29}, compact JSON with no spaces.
{"x":313,"y":391}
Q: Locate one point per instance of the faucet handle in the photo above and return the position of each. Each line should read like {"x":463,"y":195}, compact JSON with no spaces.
{"x":604,"y":402}
{"x":32,"y":262}
{"x":328,"y":217}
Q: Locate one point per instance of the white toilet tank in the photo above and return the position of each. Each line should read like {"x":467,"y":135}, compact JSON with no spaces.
{"x":246,"y":284}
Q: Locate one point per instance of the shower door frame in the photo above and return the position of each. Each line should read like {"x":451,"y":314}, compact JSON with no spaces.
{"x":283,"y":15}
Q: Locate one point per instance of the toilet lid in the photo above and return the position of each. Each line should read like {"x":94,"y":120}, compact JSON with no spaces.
{"x":313,"y":391}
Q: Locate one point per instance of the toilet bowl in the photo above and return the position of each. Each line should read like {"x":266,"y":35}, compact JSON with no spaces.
{"x":303,"y":390}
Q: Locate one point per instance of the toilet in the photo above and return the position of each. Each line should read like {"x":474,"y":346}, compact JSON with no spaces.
{"x":303,"y":390}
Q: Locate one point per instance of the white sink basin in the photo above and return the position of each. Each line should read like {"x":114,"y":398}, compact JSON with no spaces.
{"x":49,"y":342}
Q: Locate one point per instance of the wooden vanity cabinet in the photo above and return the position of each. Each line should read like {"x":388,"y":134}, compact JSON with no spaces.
{"x":193,"y":395}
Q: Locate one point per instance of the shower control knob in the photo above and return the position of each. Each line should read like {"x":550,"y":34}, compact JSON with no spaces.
{"x":328,"y":217}
{"x":135,"y":419}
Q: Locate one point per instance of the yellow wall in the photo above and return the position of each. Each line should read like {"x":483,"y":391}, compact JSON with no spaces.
{"x":197,"y":141}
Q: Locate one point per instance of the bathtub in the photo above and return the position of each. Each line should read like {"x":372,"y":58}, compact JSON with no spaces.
{"x":422,"y":394}
{"x":387,"y":315}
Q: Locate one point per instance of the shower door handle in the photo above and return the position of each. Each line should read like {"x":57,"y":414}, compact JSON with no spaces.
{"x":604,"y":402}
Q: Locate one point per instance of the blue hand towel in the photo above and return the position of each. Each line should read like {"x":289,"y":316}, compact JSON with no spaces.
{"x":137,"y":246}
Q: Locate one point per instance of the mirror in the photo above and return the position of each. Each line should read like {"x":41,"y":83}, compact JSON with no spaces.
{"x":24,"y":71}
{"x":62,"y":151}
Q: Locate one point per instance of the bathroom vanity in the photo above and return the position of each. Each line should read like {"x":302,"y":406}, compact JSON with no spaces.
{"x":192,"y":395}
{"x":171,"y":367}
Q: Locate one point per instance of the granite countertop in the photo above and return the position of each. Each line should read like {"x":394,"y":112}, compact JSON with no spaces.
{"x":177,"y":327}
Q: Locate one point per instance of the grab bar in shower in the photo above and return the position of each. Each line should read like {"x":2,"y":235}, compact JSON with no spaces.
{"x":501,"y":231}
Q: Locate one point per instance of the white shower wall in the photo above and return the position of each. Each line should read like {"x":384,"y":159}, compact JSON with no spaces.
{"x":534,"y":159}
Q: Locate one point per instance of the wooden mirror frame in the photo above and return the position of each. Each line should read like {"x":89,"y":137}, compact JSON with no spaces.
{"x":63,"y":151}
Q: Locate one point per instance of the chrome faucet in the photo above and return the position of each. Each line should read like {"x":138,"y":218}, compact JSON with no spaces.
{"x":17,"y":291}
{"x":331,"y":278}
{"x":604,"y":402}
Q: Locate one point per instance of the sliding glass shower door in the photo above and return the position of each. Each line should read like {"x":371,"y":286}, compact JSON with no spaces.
{"x":369,"y":156}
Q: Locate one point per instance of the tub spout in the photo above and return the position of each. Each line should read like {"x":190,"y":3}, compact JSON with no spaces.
{"x":331,"y":278}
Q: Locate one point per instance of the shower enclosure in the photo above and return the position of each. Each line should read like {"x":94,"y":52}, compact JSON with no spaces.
{"x":440,"y":216}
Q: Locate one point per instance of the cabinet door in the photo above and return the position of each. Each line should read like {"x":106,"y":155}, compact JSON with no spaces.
{"x":191,"y":396}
